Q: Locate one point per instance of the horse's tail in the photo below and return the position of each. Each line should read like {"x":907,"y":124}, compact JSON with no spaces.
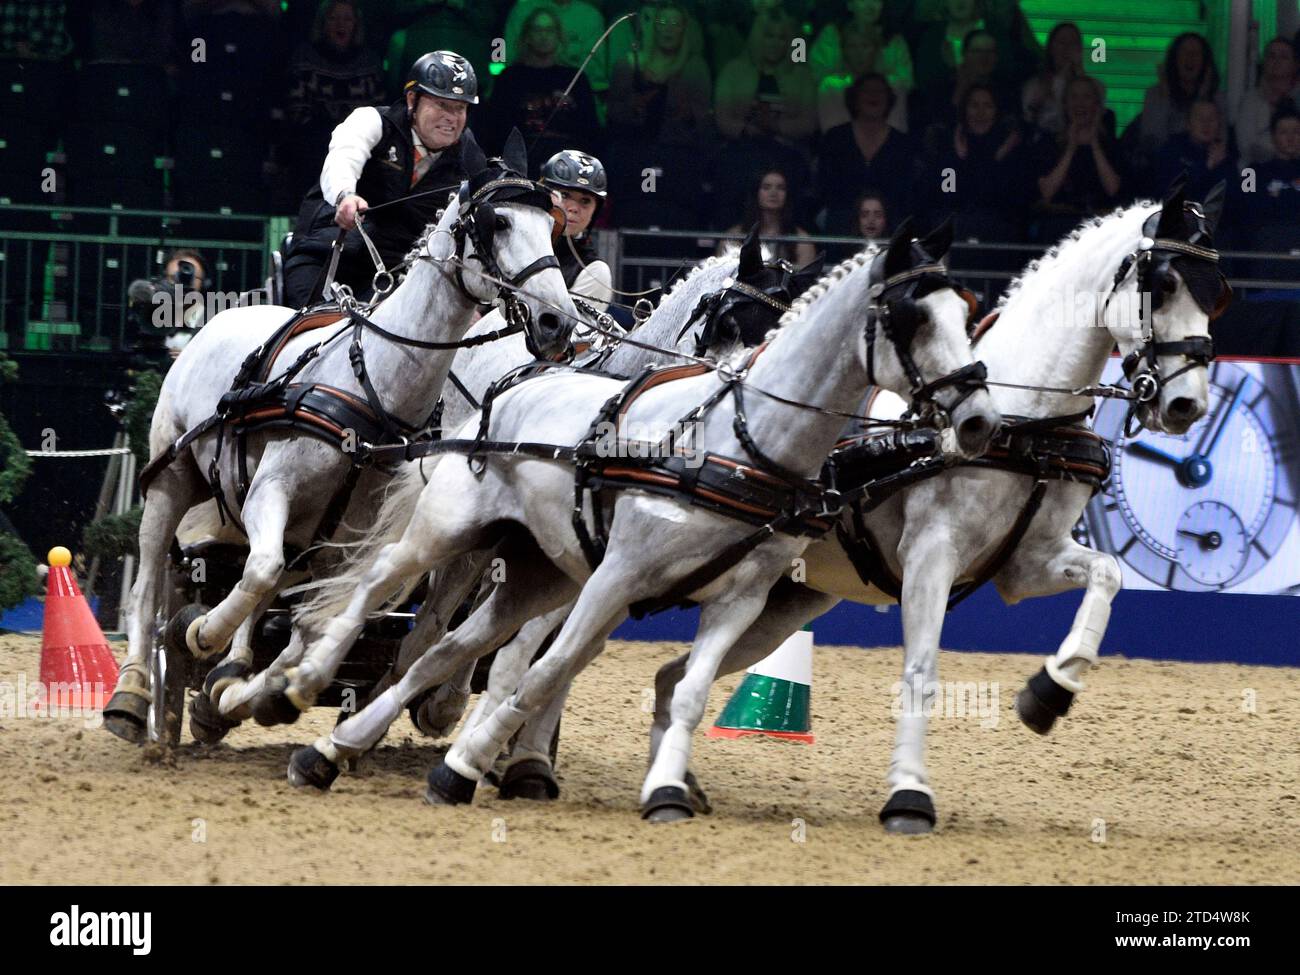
{"x":327,"y":596}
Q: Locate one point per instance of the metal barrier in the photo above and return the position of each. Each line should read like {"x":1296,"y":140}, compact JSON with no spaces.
{"x":65,"y":287}
{"x":983,"y":267}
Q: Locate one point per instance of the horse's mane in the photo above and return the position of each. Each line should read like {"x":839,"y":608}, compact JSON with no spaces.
{"x":840,"y":271}
{"x":704,"y":265}
{"x":1063,"y":250}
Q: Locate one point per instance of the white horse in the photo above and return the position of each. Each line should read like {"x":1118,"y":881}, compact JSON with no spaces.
{"x":943,"y":531}
{"x":292,"y":479}
{"x":813,"y":372}
{"x":742,"y":317}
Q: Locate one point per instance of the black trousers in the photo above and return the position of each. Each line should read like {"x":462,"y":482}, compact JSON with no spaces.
{"x":304,"y":276}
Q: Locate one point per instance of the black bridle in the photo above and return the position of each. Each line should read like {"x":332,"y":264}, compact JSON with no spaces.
{"x":477,"y":224}
{"x":1154,"y":261}
{"x":894,"y":311}
{"x":713,"y":308}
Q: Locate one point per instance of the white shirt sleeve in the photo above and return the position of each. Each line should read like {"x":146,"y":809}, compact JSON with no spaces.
{"x":595,"y":281}
{"x":350,"y":146}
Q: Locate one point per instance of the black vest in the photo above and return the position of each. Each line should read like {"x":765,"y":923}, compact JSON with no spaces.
{"x":569,"y":266}
{"x":386,"y":176}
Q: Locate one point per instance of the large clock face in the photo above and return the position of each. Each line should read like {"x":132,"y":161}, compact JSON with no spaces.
{"x":1207,"y":509}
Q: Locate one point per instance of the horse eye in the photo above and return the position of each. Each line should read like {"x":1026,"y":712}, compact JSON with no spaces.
{"x":502,"y":223}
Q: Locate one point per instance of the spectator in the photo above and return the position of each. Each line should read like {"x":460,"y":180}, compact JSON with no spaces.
{"x":663,"y":93}
{"x":1268,"y":217}
{"x":938,"y":44}
{"x":330,"y":75}
{"x":1186,"y":75}
{"x":970,"y":171}
{"x":1043,"y":97}
{"x":530,"y":92}
{"x":1079,"y":172}
{"x":132,"y":32}
{"x":581,"y":25}
{"x":35,"y":31}
{"x":467,"y":26}
{"x":764,"y":92}
{"x":865,"y":152}
{"x":769,"y":205}
{"x":851,"y":47}
{"x":1202,"y":152}
{"x":873,"y":215}
{"x":1278,"y":80}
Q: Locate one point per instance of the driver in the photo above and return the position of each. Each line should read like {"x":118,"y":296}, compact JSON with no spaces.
{"x":378,"y":155}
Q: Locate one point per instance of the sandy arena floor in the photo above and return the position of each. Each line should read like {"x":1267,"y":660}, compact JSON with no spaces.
{"x":1192,"y":788}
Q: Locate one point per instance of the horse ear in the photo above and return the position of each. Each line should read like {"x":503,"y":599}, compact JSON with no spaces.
{"x":806,"y":276}
{"x":1213,"y":205}
{"x":472,"y":159}
{"x":751,"y":255}
{"x":939,"y":239}
{"x":899,"y":256}
{"x":1171,"y":213}
{"x":515,"y":154}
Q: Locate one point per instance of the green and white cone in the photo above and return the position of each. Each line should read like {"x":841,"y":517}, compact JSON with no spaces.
{"x":775,"y":698}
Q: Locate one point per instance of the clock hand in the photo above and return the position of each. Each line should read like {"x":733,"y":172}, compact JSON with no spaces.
{"x":1207,"y":539}
{"x":1221,"y":421}
{"x":1141,"y":447}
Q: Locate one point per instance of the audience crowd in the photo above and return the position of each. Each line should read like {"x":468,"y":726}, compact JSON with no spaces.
{"x":834,"y":116}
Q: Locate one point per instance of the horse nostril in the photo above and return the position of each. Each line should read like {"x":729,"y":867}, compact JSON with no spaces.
{"x":549,"y":322}
{"x":1183,"y":408}
{"x":973,"y":432}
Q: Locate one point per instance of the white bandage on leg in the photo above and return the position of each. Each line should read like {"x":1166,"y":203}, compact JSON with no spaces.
{"x":671,"y":761}
{"x":476,"y":752}
{"x":367,"y":726}
{"x":1079,"y":649}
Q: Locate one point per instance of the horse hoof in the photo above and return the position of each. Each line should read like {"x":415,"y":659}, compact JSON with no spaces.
{"x":447,"y":787}
{"x":127,"y":716}
{"x":307,"y":766}
{"x":1041,"y":701}
{"x":667,"y":804}
{"x":699,"y":801}
{"x":224,"y":674}
{"x":207,"y":724}
{"x":529,"y":779}
{"x":177,"y":636}
{"x":908,"y":811}
{"x":273,"y":706}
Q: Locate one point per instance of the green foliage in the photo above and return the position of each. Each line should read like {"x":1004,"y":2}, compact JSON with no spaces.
{"x":139,"y":412}
{"x":113,"y":536}
{"x":15,"y":465}
{"x":18,"y":578}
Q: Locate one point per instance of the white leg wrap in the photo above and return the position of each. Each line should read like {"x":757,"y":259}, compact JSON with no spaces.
{"x":326,"y":748}
{"x":907,"y":767}
{"x":1078,"y":651}
{"x":474,"y":753}
{"x":367,"y":726}
{"x":671,"y":761}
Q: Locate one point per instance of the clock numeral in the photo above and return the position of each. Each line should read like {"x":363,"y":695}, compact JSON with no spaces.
{"x":1265,"y":552}
{"x":1173,"y":570}
{"x":1128,"y":545}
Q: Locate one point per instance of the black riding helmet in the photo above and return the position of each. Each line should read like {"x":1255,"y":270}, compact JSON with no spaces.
{"x":574,"y":170}
{"x":444,"y":74}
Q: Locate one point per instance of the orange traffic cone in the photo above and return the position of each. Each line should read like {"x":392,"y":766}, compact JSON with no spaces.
{"x":77,"y":667}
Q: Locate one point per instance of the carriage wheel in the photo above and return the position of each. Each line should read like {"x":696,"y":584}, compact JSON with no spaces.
{"x":167,"y":682}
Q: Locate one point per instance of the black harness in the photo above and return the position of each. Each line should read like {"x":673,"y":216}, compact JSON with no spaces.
{"x":356,"y":426}
{"x":757,"y":490}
